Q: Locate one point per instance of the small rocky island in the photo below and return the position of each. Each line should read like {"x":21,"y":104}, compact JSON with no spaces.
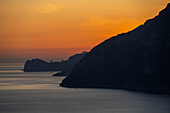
{"x":38,"y":65}
{"x":137,"y":60}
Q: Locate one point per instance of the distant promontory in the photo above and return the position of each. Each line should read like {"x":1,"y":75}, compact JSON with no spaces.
{"x":38,"y":65}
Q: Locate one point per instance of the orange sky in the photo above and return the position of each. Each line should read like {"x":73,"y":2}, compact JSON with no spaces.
{"x":59,"y":28}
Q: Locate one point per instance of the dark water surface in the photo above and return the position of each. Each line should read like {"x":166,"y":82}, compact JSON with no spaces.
{"x":40,"y":93}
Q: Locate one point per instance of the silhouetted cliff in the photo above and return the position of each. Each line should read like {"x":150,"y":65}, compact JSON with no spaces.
{"x":137,"y":60}
{"x":37,"y":65}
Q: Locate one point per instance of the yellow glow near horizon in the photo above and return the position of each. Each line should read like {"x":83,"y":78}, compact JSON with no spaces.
{"x":49,"y":24}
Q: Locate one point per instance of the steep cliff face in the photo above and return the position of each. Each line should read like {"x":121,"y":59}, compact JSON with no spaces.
{"x":37,"y":65}
{"x":139,"y":59}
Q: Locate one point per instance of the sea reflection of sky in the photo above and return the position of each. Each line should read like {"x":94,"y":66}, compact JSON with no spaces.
{"x":11,"y":77}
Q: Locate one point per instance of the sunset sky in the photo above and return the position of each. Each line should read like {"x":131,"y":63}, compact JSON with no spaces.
{"x":60,"y":28}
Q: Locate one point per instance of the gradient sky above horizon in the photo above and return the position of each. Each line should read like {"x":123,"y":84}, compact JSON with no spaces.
{"x":48,"y":28}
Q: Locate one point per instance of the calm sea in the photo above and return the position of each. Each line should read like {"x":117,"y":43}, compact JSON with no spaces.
{"x":39,"y":92}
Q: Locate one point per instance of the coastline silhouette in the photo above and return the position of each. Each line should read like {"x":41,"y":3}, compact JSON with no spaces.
{"x":137,"y":60}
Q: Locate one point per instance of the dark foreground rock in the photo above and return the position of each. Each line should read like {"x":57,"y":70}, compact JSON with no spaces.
{"x":37,"y":65}
{"x":137,"y":60}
